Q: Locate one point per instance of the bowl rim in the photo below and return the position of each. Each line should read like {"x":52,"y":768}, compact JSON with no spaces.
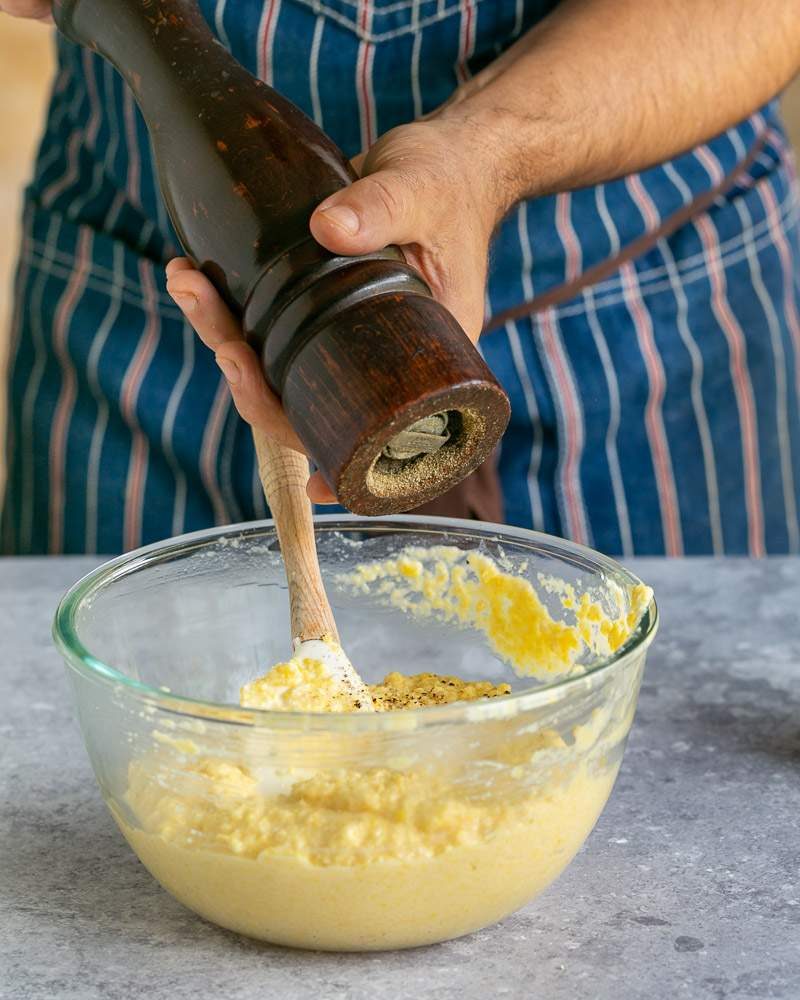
{"x":80,"y":659}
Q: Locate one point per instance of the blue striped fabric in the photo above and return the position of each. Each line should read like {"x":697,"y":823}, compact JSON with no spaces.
{"x":654,"y":412}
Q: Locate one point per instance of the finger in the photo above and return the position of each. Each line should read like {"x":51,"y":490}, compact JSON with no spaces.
{"x":202,"y":305}
{"x":463,"y":296}
{"x":456,"y":278}
{"x":179,"y":264}
{"x":375,"y":211}
{"x":319,"y":491}
{"x":219,"y":330}
{"x":254,"y":400}
{"x":357,"y":163}
{"x":36,"y":10}
{"x":468,"y":310}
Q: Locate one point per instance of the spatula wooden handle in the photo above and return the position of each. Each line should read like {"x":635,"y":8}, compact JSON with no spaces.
{"x":284,"y":476}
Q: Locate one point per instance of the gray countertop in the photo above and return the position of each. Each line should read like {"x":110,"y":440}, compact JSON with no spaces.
{"x":688,"y":886}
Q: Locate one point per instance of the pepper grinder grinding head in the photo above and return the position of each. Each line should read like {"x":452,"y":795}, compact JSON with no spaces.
{"x":392,"y":401}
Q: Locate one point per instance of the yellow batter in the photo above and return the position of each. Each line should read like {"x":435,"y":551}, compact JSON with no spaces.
{"x":471,"y":589}
{"x":303,"y":685}
{"x":387,"y":850}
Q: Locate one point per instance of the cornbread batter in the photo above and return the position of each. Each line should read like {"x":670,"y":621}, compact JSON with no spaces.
{"x":303,"y":685}
{"x":369,"y":840}
{"x":423,"y":690}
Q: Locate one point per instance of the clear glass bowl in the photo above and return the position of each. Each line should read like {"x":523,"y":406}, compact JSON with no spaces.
{"x":341,"y":832}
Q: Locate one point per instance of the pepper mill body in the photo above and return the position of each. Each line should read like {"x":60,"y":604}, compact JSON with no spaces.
{"x":356,"y":347}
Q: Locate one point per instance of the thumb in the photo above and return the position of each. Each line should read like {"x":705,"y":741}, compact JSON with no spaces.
{"x":378,"y":210}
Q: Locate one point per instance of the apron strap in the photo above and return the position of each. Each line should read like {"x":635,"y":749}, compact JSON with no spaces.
{"x":639,"y":246}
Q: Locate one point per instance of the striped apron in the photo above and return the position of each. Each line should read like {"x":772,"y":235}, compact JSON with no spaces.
{"x":646,"y":330}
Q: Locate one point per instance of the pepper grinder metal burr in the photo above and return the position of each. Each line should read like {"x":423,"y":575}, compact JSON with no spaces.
{"x":386,"y":392}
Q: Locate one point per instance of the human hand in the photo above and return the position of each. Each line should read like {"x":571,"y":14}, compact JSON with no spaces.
{"x":220,"y":331}
{"x":35,"y":10}
{"x":431,"y":188}
{"x":424,"y":187}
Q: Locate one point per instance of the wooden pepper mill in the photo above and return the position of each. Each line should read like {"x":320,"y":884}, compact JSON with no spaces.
{"x":390,"y":398}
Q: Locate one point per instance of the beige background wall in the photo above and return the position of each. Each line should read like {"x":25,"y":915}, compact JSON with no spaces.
{"x":26,"y":65}
{"x":25,"y":68}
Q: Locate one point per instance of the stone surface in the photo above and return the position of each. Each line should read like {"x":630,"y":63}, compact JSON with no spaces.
{"x":688,"y":887}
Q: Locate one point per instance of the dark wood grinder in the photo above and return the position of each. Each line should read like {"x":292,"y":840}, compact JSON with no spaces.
{"x":390,"y":398}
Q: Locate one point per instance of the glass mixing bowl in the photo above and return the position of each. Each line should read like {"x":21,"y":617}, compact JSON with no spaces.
{"x":342,"y":832}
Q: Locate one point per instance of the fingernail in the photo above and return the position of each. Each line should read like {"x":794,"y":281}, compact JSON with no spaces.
{"x":185,"y":300}
{"x":230,"y":370}
{"x":343,"y":217}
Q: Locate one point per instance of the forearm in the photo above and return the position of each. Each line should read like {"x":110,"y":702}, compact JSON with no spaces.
{"x":602,"y":88}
